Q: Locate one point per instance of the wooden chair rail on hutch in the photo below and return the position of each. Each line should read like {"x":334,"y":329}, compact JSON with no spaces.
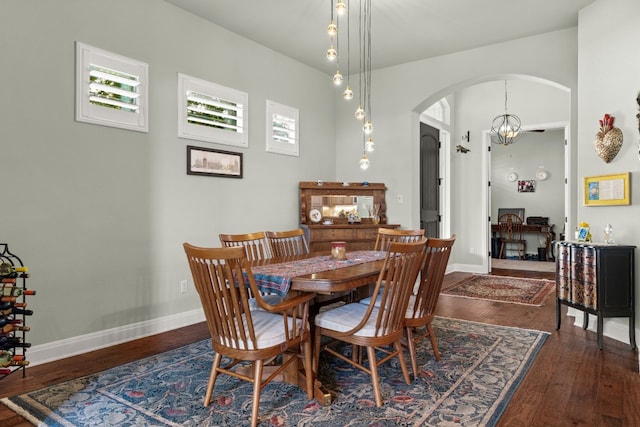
{"x":350,"y":212}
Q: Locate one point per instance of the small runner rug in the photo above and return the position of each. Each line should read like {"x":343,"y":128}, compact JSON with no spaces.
{"x":502,"y":288}
{"x":481,"y":367}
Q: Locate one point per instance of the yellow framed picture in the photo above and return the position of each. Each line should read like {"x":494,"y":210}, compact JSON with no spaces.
{"x":607,"y":190}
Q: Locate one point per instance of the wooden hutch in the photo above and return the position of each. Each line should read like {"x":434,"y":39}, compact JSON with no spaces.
{"x":350,"y":212}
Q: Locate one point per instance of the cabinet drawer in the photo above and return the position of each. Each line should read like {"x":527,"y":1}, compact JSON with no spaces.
{"x":329,"y":234}
{"x":367,"y":233}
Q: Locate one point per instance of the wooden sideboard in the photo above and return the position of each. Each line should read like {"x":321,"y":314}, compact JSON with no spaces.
{"x":333,"y":202}
{"x":358,"y":236}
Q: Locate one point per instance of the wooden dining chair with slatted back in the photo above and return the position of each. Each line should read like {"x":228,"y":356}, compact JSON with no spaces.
{"x":374,"y":328}
{"x":387,"y":235}
{"x":511,"y":233}
{"x":287,"y":243}
{"x":422,"y":305}
{"x":257,"y":248}
{"x":243,"y":335}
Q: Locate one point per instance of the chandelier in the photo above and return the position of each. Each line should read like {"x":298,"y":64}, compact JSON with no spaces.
{"x":342,"y":10}
{"x":506,"y":127}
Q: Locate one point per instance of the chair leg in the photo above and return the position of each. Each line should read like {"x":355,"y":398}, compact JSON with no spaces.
{"x":217,"y":359}
{"x":308,"y":367}
{"x":316,"y":349}
{"x":375,"y":381}
{"x":257,"y":387}
{"x":412,"y":351}
{"x":434,"y":341}
{"x":403,"y":364}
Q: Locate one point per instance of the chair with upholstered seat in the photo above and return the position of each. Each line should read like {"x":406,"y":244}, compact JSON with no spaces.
{"x":255,"y":243}
{"x":511,"y":233}
{"x":287,"y":243}
{"x":376,"y":328}
{"x":244,"y":335}
{"x":257,"y":248}
{"x":422,"y":306}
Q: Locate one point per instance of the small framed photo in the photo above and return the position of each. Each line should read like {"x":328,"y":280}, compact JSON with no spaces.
{"x":583,"y":233}
{"x":206,"y":161}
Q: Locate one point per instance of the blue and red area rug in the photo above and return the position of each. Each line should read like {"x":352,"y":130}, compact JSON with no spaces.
{"x":481,"y":367}
{"x":515,"y":290}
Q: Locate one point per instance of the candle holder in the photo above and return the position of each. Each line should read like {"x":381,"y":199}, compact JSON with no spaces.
{"x":339,"y":250}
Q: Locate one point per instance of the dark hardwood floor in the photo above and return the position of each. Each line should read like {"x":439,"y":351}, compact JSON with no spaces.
{"x":571,"y":383}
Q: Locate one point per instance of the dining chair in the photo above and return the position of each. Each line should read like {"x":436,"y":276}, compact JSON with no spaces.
{"x":255,"y":243}
{"x":388,"y":235}
{"x":257,"y":249}
{"x":375,"y":328}
{"x":287,"y":243}
{"x":243,"y":335}
{"x":510,"y":228}
{"x":422,"y":305}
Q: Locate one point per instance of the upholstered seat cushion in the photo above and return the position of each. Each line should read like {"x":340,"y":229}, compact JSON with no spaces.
{"x":271,"y":299}
{"x":346,"y":317}
{"x":412,"y":302}
{"x":268,"y":328}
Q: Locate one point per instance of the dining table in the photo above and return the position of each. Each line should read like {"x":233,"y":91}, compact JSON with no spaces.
{"x":321,"y":274}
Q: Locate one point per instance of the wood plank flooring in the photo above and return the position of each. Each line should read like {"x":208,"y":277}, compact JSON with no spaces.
{"x":571,"y":383}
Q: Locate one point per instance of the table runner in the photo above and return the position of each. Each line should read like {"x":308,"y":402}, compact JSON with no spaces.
{"x":276,"y":278}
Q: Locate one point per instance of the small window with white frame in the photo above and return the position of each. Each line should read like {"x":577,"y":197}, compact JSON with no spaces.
{"x":282,"y":129}
{"x":211,"y":112}
{"x":111,"y":90}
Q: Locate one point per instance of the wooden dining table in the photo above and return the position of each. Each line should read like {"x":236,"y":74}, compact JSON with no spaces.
{"x":358,"y":270}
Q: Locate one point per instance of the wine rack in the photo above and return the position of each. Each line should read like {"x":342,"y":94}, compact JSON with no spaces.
{"x":13,"y":313}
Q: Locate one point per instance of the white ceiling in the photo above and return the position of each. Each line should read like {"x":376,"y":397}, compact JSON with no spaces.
{"x":402,"y":30}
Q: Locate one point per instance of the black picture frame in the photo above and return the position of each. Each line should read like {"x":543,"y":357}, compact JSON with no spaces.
{"x":210,"y":162}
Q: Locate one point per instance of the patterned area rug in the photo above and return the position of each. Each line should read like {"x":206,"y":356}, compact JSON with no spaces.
{"x":481,"y":367}
{"x":502,"y":288}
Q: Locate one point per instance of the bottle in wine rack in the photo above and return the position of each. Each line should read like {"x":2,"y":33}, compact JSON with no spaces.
{"x":8,"y":320}
{"x":8,"y":359}
{"x":16,"y":291}
{"x":9,"y":339}
{"x":15,"y":345}
{"x":10,"y":305}
{"x":11,"y":327}
{"x":15,"y":310}
{"x":9,"y":270}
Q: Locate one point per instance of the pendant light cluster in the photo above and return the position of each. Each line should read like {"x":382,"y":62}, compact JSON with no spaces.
{"x":363,"y":112}
{"x":506,"y":127}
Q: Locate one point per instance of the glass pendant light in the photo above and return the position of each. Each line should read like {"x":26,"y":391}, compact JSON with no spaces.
{"x":367,"y":128}
{"x":506,"y":127}
{"x":348,"y":93}
{"x":364,"y":162}
{"x":337,"y":78}
{"x":332,"y":29}
{"x":360,"y":113}
{"x":332,"y":53}
{"x":341,"y":7}
{"x":369,"y":146}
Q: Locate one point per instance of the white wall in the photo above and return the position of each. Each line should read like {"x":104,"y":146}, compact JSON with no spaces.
{"x":609,"y":75}
{"x":99,"y":214}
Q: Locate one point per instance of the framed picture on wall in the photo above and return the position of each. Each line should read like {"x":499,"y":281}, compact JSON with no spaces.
{"x":206,"y":161}
{"x":607,"y":190}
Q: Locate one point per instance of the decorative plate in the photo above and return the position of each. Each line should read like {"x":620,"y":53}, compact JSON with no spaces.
{"x":512,"y":176}
{"x":542,"y":175}
{"x":315,"y":215}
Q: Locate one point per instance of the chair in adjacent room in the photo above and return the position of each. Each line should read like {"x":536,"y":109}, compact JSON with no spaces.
{"x":388,"y":235}
{"x":243,"y":335}
{"x":375,"y":328}
{"x":287,"y":243}
{"x":422,"y":305}
{"x":510,"y":228}
{"x":257,"y":248}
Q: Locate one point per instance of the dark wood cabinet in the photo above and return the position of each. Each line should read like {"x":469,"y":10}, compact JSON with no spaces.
{"x":335,"y":211}
{"x":597,"y":279}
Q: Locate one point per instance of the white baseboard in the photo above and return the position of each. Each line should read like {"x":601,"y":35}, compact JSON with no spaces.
{"x":56,"y":350}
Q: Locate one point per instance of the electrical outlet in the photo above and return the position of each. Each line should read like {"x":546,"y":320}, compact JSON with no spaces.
{"x":471,"y":251}
{"x":183,"y":286}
